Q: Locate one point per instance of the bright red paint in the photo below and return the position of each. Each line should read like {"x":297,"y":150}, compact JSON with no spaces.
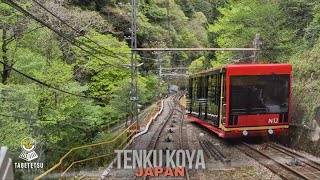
{"x":257,"y":120}
{"x":249,"y":120}
{"x":255,"y":69}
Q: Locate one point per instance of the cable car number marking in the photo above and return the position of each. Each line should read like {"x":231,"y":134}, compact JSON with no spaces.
{"x":273,"y":120}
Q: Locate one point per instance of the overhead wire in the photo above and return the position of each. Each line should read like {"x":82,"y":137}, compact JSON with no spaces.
{"x":8,"y":99}
{"x":75,"y":42}
{"x":46,"y":84}
{"x":72,"y":41}
{"x":35,"y":119}
{"x":74,"y":29}
{"x":18,"y":117}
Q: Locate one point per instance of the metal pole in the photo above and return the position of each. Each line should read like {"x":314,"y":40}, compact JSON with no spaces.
{"x":169,"y":22}
{"x":160,"y":74}
{"x":256,"y":44}
{"x":134,"y":72}
{"x":196,"y":49}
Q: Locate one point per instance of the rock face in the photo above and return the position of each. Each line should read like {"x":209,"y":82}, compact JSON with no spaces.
{"x":6,"y":170}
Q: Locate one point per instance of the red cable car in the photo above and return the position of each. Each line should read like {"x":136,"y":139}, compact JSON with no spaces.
{"x":242,"y":100}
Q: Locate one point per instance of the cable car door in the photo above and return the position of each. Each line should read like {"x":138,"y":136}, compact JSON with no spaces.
{"x":223,"y":105}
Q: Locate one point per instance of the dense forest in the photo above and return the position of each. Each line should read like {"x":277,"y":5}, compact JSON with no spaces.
{"x":58,"y":89}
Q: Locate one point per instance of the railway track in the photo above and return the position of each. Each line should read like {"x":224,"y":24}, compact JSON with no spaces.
{"x":165,"y":137}
{"x":157,"y":134}
{"x":282,"y":161}
{"x":213,"y":152}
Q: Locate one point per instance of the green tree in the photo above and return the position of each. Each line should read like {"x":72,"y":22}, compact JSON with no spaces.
{"x":197,"y":65}
{"x":298,"y":14}
{"x":241,"y":20}
{"x":103,"y":77}
{"x":11,"y":26}
{"x":306,"y":86}
{"x":312,"y":31}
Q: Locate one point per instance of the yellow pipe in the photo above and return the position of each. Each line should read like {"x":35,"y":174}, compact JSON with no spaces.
{"x":88,"y":159}
{"x":80,"y":147}
{"x":83,"y":160}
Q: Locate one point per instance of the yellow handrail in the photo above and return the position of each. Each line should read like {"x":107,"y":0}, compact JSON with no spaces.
{"x":80,"y":147}
{"x":88,"y":159}
{"x":129,"y":130}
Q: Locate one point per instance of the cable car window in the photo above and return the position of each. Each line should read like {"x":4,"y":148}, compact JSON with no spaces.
{"x":260,"y":94}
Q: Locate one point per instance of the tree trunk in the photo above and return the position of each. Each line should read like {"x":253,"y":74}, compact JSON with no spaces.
{"x":41,"y":106}
{"x":7,"y":64}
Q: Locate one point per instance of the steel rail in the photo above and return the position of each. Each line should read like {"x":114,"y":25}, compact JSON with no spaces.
{"x":160,"y":128}
{"x":153,"y":142}
{"x":287,"y":168}
{"x":206,"y":146}
{"x":180,"y":133}
{"x":304,"y":159}
{"x":218,"y":153}
{"x":206,"y":151}
{"x":301,"y":156}
{"x":157,"y":134}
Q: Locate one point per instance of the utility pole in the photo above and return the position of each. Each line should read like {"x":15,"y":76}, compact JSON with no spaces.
{"x":256,"y":44}
{"x":159,"y":75}
{"x":168,"y":18}
{"x":171,"y":43}
{"x":134,"y":67}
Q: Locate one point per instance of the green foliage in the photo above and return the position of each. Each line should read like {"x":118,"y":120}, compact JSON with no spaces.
{"x":186,"y":7}
{"x":216,"y":64}
{"x":209,"y":8}
{"x":286,"y":28}
{"x":13,"y":104}
{"x":46,"y":44}
{"x":151,"y":85}
{"x":242,"y":20}
{"x":119,"y":106}
{"x":103,"y":77}
{"x":60,"y":121}
{"x":155,"y":14}
{"x":306,"y":86}
{"x":95,"y":4}
{"x":197,"y":65}
{"x":152,"y":35}
{"x":298,"y":14}
{"x":312,"y":31}
{"x":8,"y":15}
